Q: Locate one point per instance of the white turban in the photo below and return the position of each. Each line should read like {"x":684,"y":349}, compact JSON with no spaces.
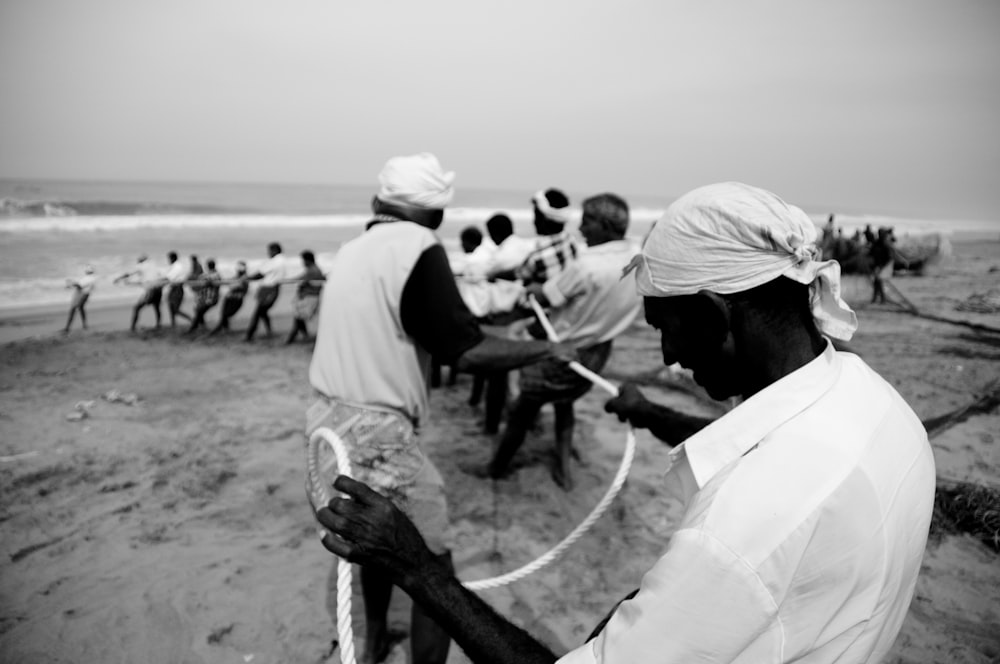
{"x":731,"y":237}
{"x":416,"y":181}
{"x":558,"y":215}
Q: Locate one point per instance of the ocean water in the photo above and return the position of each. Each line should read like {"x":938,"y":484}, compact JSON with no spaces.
{"x":49,"y":231}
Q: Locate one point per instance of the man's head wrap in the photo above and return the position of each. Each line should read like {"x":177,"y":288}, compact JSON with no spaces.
{"x":610,"y":210}
{"x":416,"y":181}
{"x":553,"y":214}
{"x":731,"y":237}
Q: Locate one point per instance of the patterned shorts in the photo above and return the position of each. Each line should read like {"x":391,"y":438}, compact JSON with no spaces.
{"x":385,"y":454}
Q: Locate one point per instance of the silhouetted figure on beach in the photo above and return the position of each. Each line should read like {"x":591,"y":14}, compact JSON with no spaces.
{"x":82,"y":288}
{"x":869,"y":235}
{"x":881,"y":258}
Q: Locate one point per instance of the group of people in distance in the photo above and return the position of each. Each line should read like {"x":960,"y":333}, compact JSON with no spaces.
{"x":206,"y":285}
{"x":803,"y":529}
{"x":867,"y":251}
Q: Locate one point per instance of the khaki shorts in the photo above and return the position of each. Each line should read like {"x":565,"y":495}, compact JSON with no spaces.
{"x":385,"y":454}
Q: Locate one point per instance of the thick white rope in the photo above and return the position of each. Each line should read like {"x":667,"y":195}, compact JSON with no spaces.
{"x":321,"y":496}
{"x":601,"y":506}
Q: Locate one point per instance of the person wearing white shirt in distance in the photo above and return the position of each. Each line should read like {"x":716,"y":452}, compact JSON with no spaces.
{"x":147,"y":275}
{"x":270,"y":274}
{"x":511,"y":250}
{"x":82,"y":288}
{"x":177,"y":274}
{"x":807,"y":506}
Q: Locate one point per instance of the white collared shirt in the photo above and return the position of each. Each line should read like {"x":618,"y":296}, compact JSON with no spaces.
{"x":807,"y":514}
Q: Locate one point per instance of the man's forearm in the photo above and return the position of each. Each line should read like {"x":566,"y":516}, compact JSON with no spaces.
{"x":671,"y":426}
{"x":485,"y":636}
{"x":497,"y":354}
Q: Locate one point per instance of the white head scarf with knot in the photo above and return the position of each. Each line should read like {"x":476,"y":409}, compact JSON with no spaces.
{"x":416,"y":181}
{"x":731,"y":237}
{"x":553,"y":214}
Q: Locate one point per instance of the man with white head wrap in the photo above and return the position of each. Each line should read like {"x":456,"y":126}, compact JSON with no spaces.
{"x":807,"y":506}
{"x":555,"y":247}
{"x":390,"y":305}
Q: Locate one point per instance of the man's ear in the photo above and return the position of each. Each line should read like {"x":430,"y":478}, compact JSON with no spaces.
{"x":715,"y":311}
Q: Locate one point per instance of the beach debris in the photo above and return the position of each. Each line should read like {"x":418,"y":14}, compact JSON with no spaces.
{"x":982,"y":303}
{"x":117,"y":396}
{"x":81,"y":411}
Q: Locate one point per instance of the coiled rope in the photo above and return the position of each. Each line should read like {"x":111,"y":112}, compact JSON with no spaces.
{"x":320,"y":496}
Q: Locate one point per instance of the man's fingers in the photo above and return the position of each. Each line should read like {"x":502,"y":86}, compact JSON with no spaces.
{"x":338,"y":546}
{"x":355,"y":489}
{"x":333,"y":521}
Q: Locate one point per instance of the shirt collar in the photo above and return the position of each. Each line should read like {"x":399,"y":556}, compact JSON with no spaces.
{"x":740,"y":430}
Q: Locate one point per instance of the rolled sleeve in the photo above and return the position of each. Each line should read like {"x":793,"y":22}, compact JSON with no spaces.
{"x":564,"y":286}
{"x":699,"y":603}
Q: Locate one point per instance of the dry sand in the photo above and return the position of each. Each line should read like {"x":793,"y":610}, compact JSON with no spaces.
{"x":175,"y":529}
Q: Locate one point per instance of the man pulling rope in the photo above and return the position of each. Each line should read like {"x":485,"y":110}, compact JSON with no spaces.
{"x":803,"y":530}
{"x":389,"y":306}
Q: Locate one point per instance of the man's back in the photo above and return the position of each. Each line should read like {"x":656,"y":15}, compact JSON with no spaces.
{"x":592,"y":302}
{"x":362,"y":354}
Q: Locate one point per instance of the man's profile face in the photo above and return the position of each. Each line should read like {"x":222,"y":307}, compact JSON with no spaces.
{"x":593,"y":231}
{"x":694,"y":334}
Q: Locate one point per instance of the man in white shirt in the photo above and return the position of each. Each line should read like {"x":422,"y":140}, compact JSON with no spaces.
{"x":511,"y":251}
{"x":147,"y":275}
{"x":590,"y":304}
{"x":807,"y":506}
{"x":82,"y":288}
{"x":271,"y":274}
{"x":177,"y":274}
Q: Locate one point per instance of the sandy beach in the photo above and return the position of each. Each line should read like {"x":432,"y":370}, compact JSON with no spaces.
{"x":169,"y":523}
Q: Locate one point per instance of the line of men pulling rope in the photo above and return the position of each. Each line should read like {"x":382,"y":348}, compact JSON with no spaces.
{"x":206,"y":284}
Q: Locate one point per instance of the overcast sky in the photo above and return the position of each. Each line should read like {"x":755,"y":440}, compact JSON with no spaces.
{"x":883,"y":106}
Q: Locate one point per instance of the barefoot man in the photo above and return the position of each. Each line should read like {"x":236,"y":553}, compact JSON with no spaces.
{"x":390,"y":306}
{"x":807,"y":506}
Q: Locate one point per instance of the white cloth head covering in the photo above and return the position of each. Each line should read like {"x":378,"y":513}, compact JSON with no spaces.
{"x":558,"y":215}
{"x":731,"y":237}
{"x":416,"y":181}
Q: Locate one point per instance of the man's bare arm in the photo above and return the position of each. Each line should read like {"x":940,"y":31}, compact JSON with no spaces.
{"x":671,"y":426}
{"x":369,"y":530}
{"x":498,"y":354}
